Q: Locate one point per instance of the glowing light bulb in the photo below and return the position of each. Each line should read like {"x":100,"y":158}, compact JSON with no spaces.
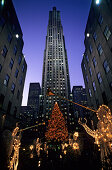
{"x":97,"y":2}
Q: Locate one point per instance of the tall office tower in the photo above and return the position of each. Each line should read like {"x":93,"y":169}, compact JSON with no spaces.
{"x":33,"y":97}
{"x":12,"y":64}
{"x":97,"y":59}
{"x":79,"y":96}
{"x":55,"y":68}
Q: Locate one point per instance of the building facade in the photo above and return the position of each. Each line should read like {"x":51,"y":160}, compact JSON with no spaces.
{"x":80,"y":97}
{"x":55,"y":69}
{"x":33,"y":97}
{"x":12,"y":63}
{"x":97,"y":59}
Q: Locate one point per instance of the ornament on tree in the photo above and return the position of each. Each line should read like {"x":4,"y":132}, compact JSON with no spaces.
{"x":57,"y":130}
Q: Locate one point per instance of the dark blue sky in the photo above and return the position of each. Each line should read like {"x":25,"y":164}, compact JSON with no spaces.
{"x":33,"y":17}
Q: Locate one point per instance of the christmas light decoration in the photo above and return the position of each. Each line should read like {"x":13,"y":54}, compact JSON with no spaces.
{"x":38,"y":147}
{"x":57,"y":129}
{"x":16,"y":145}
{"x":103,"y":134}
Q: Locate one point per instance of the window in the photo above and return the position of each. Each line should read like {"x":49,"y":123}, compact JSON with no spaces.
{"x":106,"y":66}
{"x":6,"y":80}
{"x":100,"y":19}
{"x":15,"y":50}
{"x":13,"y":88}
{"x":90,"y":94}
{"x":19,"y":60}
{"x":0,"y":67}
{"x":99,"y":78}
{"x":90,"y":71}
{"x":87,"y":59}
{"x":18,"y":94}
{"x":90,"y":49}
{"x":107,"y":32}
{"x":20,"y":80}
{"x":9,"y":37}
{"x":11,"y":63}
{"x":94,"y":36}
{"x":87,"y":79}
{"x":16,"y":72}
{"x":94,"y":62}
{"x":4,"y":51}
{"x":94,"y":86}
{"x":23,"y":67}
{"x":100,"y":50}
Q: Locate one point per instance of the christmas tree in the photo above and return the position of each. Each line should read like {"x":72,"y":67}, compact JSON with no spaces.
{"x":57,"y":130}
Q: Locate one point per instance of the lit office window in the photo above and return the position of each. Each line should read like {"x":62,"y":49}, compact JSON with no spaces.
{"x":90,"y":71}
{"x":94,"y":86}
{"x":107,"y":33}
{"x":6,"y":80}
{"x":13,"y":88}
{"x":100,"y":50}
{"x":99,"y":78}
{"x":106,"y":66}
{"x":90,"y":93}
{"x":94,"y":36}
{"x":94,"y":62}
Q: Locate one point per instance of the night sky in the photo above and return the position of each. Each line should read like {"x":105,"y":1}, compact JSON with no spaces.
{"x":33,"y":17}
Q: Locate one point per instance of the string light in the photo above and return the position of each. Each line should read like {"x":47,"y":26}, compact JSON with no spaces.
{"x":103,"y":133}
{"x":57,"y":129}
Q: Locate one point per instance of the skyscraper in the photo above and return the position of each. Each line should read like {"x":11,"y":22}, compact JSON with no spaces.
{"x":33,"y":97}
{"x":79,"y":96}
{"x":97,"y":59}
{"x":55,"y":68}
{"x":12,"y":64}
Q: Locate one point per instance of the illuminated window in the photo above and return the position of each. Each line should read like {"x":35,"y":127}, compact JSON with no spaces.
{"x":94,"y":62}
{"x":107,"y":33}
{"x":13,"y":88}
{"x":90,"y":49}
{"x":106,"y":66}
{"x":90,"y":71}
{"x":94,"y":36}
{"x":94,"y":86}
{"x":100,"y":50}
{"x":6,"y":80}
{"x":90,"y":94}
{"x":99,"y":78}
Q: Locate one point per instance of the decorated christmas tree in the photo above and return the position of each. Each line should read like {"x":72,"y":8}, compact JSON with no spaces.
{"x":57,"y":130}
